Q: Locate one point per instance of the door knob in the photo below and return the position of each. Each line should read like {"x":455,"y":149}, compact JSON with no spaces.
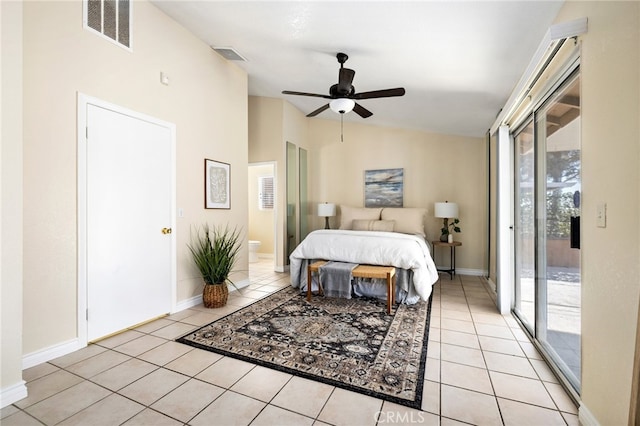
{"x":166,"y":230}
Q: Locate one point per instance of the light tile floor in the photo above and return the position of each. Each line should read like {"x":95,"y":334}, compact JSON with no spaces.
{"x":481,"y":369}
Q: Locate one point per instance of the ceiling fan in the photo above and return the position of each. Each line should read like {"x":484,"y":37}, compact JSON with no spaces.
{"x":343,"y":95}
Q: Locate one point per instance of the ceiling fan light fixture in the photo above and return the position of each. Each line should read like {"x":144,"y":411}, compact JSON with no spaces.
{"x":342,"y":105}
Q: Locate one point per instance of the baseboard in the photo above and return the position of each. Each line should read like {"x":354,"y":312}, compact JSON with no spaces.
{"x":493,"y":285}
{"x":586,"y":417}
{"x":197,"y":300}
{"x":472,"y":272}
{"x":52,"y":352}
{"x":13,"y":393}
{"x":240,"y":285}
{"x":188,"y":303}
{"x":64,"y":348}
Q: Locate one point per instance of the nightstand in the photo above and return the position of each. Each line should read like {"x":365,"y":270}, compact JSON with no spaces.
{"x":452,"y":255}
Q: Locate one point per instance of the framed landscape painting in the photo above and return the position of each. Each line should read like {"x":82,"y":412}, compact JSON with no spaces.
{"x":217,"y":180}
{"x":383,"y":188}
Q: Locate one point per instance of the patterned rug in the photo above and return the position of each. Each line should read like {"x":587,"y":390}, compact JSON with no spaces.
{"x":348,"y":343}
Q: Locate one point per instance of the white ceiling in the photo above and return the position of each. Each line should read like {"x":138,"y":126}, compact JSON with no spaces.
{"x":457,"y":60}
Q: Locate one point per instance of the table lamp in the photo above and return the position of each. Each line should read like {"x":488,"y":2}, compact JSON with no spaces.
{"x":326,"y":210}
{"x":446,"y":211}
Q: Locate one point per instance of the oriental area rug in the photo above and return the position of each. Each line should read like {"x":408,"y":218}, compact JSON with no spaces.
{"x":349,"y":343}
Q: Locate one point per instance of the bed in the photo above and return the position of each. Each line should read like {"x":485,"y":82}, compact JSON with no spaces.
{"x":388,"y":237}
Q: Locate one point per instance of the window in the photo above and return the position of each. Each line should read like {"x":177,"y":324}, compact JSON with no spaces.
{"x":265,"y":192}
{"x":110,"y":18}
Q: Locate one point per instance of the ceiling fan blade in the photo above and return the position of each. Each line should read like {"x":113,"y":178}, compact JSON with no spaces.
{"x":386,"y":93}
{"x":361,"y":111}
{"x":318,"y":111}
{"x":315,"y":95}
{"x":345,"y":78}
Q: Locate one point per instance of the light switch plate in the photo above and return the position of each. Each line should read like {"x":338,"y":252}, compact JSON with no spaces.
{"x":601,"y":215}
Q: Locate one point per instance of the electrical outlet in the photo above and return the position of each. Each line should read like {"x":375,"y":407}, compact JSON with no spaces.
{"x":601,"y":215}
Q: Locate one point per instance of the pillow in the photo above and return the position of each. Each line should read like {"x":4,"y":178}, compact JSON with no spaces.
{"x":407,"y":220}
{"x":373,"y":225}
{"x":348,"y":214}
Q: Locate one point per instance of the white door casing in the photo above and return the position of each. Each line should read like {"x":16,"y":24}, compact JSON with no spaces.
{"x":126,"y":197}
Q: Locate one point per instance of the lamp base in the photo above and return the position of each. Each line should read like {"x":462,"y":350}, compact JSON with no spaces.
{"x":445,"y":228}
{"x":326,"y":222}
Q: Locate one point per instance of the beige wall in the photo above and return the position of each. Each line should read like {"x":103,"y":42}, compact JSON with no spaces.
{"x":265,"y":129}
{"x":11,"y":385}
{"x":610,"y":161}
{"x":206,"y":99}
{"x":261,"y":222}
{"x":436,"y":168}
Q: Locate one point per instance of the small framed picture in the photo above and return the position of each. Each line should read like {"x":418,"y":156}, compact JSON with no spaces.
{"x":217,"y":184}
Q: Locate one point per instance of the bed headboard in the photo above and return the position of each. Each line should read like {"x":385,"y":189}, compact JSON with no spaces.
{"x":407,"y":220}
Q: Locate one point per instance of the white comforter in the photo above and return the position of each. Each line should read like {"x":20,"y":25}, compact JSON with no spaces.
{"x":368,"y":247}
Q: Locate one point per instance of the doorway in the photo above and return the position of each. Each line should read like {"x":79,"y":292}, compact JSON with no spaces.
{"x":262,"y":210}
{"x":126,"y":193}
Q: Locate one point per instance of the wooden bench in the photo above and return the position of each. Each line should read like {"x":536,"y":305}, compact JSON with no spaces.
{"x":361,"y":271}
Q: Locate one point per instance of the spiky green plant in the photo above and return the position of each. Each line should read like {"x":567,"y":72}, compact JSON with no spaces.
{"x":215,"y":252}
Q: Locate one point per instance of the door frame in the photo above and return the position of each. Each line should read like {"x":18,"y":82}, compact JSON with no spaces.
{"x":83,"y":101}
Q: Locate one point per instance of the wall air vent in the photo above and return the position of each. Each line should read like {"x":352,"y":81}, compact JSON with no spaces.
{"x":229,"y":53}
{"x":109,"y":18}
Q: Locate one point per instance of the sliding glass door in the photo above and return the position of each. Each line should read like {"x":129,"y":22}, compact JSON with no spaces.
{"x":547,"y":224}
{"x":524,"y":161}
{"x":558,"y":135}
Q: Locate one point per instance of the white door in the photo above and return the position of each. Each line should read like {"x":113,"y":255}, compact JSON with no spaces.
{"x":128,"y":220}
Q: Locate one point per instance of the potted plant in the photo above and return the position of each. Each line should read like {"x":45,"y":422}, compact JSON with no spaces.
{"x":215,"y":251}
{"x":449,"y":228}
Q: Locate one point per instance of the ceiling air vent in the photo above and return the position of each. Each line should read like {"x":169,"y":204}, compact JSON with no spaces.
{"x":229,"y":53}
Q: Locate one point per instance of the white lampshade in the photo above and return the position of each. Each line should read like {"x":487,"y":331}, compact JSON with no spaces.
{"x":446,"y":210}
{"x":326,"y":210}
{"x":342,"y":105}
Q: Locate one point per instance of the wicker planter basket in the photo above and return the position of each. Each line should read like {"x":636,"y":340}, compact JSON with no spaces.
{"x":215,"y":295}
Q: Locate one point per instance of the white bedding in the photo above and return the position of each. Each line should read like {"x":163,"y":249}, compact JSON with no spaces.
{"x":367,"y":247}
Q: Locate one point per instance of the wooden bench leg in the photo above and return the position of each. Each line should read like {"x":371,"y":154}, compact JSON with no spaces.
{"x":393,"y":290}
{"x":390,"y":291}
{"x":309,"y":283}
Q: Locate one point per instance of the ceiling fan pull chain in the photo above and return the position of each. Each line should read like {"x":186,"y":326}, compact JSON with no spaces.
{"x":341,"y":127}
